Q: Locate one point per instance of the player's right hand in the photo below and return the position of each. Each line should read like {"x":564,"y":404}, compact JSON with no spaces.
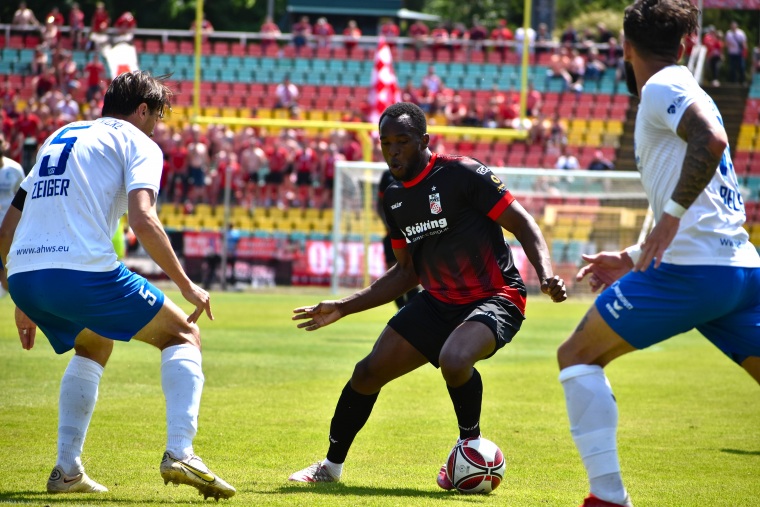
{"x":604,"y":269}
{"x":199,"y":298}
{"x":320,"y":315}
{"x":27,"y":330}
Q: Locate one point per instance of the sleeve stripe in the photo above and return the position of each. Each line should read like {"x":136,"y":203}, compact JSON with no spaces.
{"x":501,"y":205}
{"x":398,"y":244}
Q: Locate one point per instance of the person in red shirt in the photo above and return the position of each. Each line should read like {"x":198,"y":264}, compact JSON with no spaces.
{"x":323,"y":32}
{"x":352,"y":33}
{"x":419,"y":32}
{"x":100,"y":18}
{"x":269,"y":33}
{"x":94,"y":70}
{"x":279,"y":162}
{"x":76,"y":22}
{"x":306,"y":164}
{"x":390,"y":31}
{"x":439,"y":39}
{"x":502,"y":35}
{"x":478,"y":34}
{"x":55,"y":17}
{"x":301,"y":33}
{"x":99,"y":26}
{"x":125,"y":24}
{"x":713,"y":44}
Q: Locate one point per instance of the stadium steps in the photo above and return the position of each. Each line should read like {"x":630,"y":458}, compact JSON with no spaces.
{"x":731,"y":100}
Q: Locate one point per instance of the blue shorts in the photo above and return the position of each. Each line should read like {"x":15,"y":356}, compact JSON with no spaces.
{"x":62,"y":302}
{"x":721,"y":302}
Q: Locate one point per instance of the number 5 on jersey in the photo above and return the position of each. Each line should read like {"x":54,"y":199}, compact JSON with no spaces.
{"x":68,"y":144}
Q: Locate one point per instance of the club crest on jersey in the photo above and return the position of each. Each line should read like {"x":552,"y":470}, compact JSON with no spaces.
{"x":435,"y":204}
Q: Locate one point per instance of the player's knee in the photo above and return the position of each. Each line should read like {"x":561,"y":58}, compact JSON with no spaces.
{"x":364,"y":379}
{"x":567,"y":355}
{"x":454,"y":364}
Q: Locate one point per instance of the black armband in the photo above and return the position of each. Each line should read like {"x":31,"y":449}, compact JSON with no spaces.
{"x":18,"y":199}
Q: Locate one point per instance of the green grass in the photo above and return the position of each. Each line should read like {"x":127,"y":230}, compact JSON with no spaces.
{"x":689,"y":418}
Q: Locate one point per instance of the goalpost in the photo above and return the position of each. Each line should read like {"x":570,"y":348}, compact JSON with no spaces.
{"x":578,"y":211}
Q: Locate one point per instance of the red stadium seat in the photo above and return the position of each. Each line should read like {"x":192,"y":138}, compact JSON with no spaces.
{"x":186,"y":47}
{"x":152,"y":46}
{"x":237,"y":49}
{"x":16,"y":42}
{"x":253,"y":49}
{"x":31,"y":41}
{"x":170,"y":47}
{"x":220,"y":48}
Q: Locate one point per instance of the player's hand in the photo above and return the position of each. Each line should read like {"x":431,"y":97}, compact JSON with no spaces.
{"x":657,"y":241}
{"x":554,"y":287}
{"x":27,"y":330}
{"x":199,"y":298}
{"x":604,"y":268}
{"x":321,"y":315}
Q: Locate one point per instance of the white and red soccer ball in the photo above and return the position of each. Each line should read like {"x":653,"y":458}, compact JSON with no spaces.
{"x":476,"y":465}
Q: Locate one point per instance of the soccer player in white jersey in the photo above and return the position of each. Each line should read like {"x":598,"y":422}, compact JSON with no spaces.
{"x":656,"y":290}
{"x":64,"y":276}
{"x":11,"y":174}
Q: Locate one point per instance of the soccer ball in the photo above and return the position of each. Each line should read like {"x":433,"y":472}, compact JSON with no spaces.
{"x":475,"y":465}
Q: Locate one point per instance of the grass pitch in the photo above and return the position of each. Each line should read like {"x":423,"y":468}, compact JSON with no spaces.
{"x":689,"y":418}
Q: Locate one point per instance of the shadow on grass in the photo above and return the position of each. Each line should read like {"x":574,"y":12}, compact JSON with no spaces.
{"x":83,"y":499}
{"x":339,"y":489}
{"x":741,"y":452}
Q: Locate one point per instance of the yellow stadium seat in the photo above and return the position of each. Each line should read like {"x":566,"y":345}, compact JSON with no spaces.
{"x":210,"y":111}
{"x":230,"y":112}
{"x":614,"y":127}
{"x":596,"y":125}
{"x":264,"y":113}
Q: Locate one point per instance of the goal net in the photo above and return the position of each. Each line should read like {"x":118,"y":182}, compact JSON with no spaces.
{"x":578,"y":211}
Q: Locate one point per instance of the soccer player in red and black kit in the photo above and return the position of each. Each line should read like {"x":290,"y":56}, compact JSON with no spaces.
{"x":446,"y":215}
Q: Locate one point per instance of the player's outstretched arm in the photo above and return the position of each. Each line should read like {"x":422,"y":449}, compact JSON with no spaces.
{"x":396,"y":281}
{"x":149,"y":231}
{"x":519,"y":222}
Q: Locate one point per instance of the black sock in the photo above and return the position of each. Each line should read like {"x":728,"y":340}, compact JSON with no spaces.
{"x":467,"y":400}
{"x":351,"y":412}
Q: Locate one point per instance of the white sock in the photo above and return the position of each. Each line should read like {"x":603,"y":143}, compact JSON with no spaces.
{"x":182,"y":382}
{"x":79,"y":392}
{"x":593,"y":414}
{"x":335,"y":469}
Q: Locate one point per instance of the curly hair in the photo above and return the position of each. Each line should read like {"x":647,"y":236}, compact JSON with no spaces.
{"x":416,"y":115}
{"x":656,"y":27}
{"x":130,"y":89}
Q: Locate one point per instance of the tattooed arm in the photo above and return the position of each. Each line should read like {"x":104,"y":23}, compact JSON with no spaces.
{"x":706,"y":140}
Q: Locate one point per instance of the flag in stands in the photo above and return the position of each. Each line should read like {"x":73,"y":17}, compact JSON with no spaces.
{"x":121,"y":58}
{"x":384,"y":89}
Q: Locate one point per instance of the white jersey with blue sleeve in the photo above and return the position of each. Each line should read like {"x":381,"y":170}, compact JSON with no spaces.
{"x":711,"y":231}
{"x":77,"y":192}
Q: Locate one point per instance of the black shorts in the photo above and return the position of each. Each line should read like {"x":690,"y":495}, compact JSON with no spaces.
{"x":274,"y":178}
{"x":426,"y":323}
{"x":303,"y":179}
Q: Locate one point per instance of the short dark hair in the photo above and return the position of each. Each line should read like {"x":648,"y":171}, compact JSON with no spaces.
{"x":656,"y":27}
{"x":130,"y":89}
{"x":416,"y":115}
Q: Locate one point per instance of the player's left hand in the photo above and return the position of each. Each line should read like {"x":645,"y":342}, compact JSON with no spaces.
{"x":199,"y":298}
{"x":653,"y":248}
{"x":27,"y":330}
{"x":554,"y":287}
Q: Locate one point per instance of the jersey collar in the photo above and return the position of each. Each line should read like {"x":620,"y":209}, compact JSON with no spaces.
{"x":422,"y":175}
